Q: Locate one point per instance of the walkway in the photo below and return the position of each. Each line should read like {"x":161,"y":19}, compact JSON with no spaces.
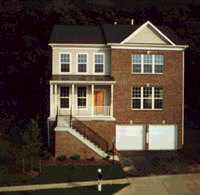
{"x":61,"y":185}
{"x":183,"y":184}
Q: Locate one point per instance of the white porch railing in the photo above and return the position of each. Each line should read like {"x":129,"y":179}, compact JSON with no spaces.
{"x":102,"y":110}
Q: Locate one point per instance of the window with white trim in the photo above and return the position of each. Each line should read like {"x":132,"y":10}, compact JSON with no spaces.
{"x":82,"y":63}
{"x":147,"y":98}
{"x":82,"y":97}
{"x":98,"y":63}
{"x":149,"y":64}
{"x":64,"y":97}
{"x":65,"y":63}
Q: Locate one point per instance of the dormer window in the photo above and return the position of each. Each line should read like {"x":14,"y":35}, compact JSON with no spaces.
{"x":65,"y":63}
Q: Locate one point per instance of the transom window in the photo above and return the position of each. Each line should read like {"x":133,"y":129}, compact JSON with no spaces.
{"x":82,"y":63}
{"x":99,"y":63}
{"x":64,"y":97}
{"x":81,"y":97}
{"x":144,"y":63}
{"x":147,"y":98}
{"x":65,"y":63}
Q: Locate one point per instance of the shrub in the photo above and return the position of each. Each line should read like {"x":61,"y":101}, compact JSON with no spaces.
{"x":46,"y":155}
{"x":61,"y":157}
{"x":106,"y":157}
{"x":91,"y":159}
{"x":75,"y":156}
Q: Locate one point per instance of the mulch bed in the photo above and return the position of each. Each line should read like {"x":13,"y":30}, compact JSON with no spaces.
{"x":53,"y":161}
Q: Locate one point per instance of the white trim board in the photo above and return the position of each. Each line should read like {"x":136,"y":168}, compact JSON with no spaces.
{"x":83,"y":82}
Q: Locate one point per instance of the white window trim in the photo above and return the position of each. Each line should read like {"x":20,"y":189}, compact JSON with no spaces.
{"x":77,"y":108}
{"x":142,"y":100}
{"x":142,"y":64}
{"x":77,"y":64}
{"x":99,"y":73}
{"x":70,"y":63}
{"x":63,"y":97}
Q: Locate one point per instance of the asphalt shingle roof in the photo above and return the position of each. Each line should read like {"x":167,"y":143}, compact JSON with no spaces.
{"x":107,"y":33}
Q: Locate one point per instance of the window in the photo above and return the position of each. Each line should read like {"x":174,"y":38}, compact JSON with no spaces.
{"x":158,"y":63}
{"x":82,"y":97}
{"x":147,"y":98}
{"x":99,"y":63}
{"x":136,"y":97}
{"x":144,"y":63}
{"x":64,"y":97}
{"x":65,"y":63}
{"x":158,"y":97}
{"x":82,"y":63}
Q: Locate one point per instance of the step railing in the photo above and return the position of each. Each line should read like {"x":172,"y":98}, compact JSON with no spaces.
{"x":91,"y":135}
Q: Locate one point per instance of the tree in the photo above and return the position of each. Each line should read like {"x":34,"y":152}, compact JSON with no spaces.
{"x":31,"y":137}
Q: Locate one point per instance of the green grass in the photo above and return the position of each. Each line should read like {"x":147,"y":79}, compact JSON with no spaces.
{"x":11,"y":169}
{"x":60,"y":174}
{"x":106,"y":190}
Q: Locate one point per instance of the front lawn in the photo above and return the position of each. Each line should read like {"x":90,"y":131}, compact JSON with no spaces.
{"x":106,"y":189}
{"x":11,"y":169}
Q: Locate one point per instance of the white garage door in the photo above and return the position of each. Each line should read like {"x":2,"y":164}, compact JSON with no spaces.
{"x":130,"y":137}
{"x":162,"y":137}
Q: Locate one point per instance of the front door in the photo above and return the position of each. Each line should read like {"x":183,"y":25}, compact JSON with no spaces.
{"x":98,"y":102}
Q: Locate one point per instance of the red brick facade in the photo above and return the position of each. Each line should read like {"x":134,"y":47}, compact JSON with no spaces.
{"x":171,"y":81}
{"x":67,"y":144}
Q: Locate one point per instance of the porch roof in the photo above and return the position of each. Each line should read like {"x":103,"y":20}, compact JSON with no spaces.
{"x":82,"y":79}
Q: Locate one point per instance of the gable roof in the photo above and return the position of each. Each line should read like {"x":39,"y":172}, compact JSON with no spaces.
{"x":106,"y":33}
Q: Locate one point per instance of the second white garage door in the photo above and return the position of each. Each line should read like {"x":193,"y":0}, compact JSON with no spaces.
{"x":130,"y":137}
{"x":162,"y":137}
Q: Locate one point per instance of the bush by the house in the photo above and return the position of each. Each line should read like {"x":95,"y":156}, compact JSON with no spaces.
{"x":75,"y":156}
{"x":91,"y":159}
{"x":46,"y":155}
{"x":61,"y":157}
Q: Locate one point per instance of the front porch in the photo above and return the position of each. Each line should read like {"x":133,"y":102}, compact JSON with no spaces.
{"x":81,"y":100}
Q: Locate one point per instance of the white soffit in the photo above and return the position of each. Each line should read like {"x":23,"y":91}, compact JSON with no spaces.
{"x":148,"y":23}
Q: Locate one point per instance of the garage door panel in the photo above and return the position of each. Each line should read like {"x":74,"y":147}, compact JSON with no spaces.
{"x":130,"y":137}
{"x":162,"y":137}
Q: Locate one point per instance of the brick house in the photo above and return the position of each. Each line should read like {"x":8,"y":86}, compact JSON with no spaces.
{"x":121,"y":84}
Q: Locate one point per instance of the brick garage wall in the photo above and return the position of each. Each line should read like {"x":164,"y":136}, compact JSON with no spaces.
{"x":67,"y":144}
{"x":171,"y":81}
{"x":105,"y":129}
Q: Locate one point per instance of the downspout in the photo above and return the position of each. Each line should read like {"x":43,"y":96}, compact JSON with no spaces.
{"x":48,"y":133}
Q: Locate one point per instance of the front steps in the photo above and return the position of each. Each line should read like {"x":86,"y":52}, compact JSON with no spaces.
{"x":63,"y":124}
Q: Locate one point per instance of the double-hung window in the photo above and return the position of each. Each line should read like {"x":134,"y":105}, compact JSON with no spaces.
{"x":65,"y":63}
{"x":147,"y":64}
{"x":64,"y":97}
{"x":147,"y":98}
{"x":82,"y":97}
{"x":99,"y":63}
{"x":82,"y":63}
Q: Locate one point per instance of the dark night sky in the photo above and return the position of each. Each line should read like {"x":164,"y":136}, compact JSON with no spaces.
{"x":26,"y":58}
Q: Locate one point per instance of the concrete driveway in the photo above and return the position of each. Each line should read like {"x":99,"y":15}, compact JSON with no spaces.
{"x":147,"y":163}
{"x":184,"y":184}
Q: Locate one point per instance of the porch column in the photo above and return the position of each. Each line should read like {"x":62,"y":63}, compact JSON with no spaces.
{"x":51,"y":100}
{"x":72,"y":101}
{"x":55,"y":90}
{"x":92,"y":113}
{"x":111,"y":112}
